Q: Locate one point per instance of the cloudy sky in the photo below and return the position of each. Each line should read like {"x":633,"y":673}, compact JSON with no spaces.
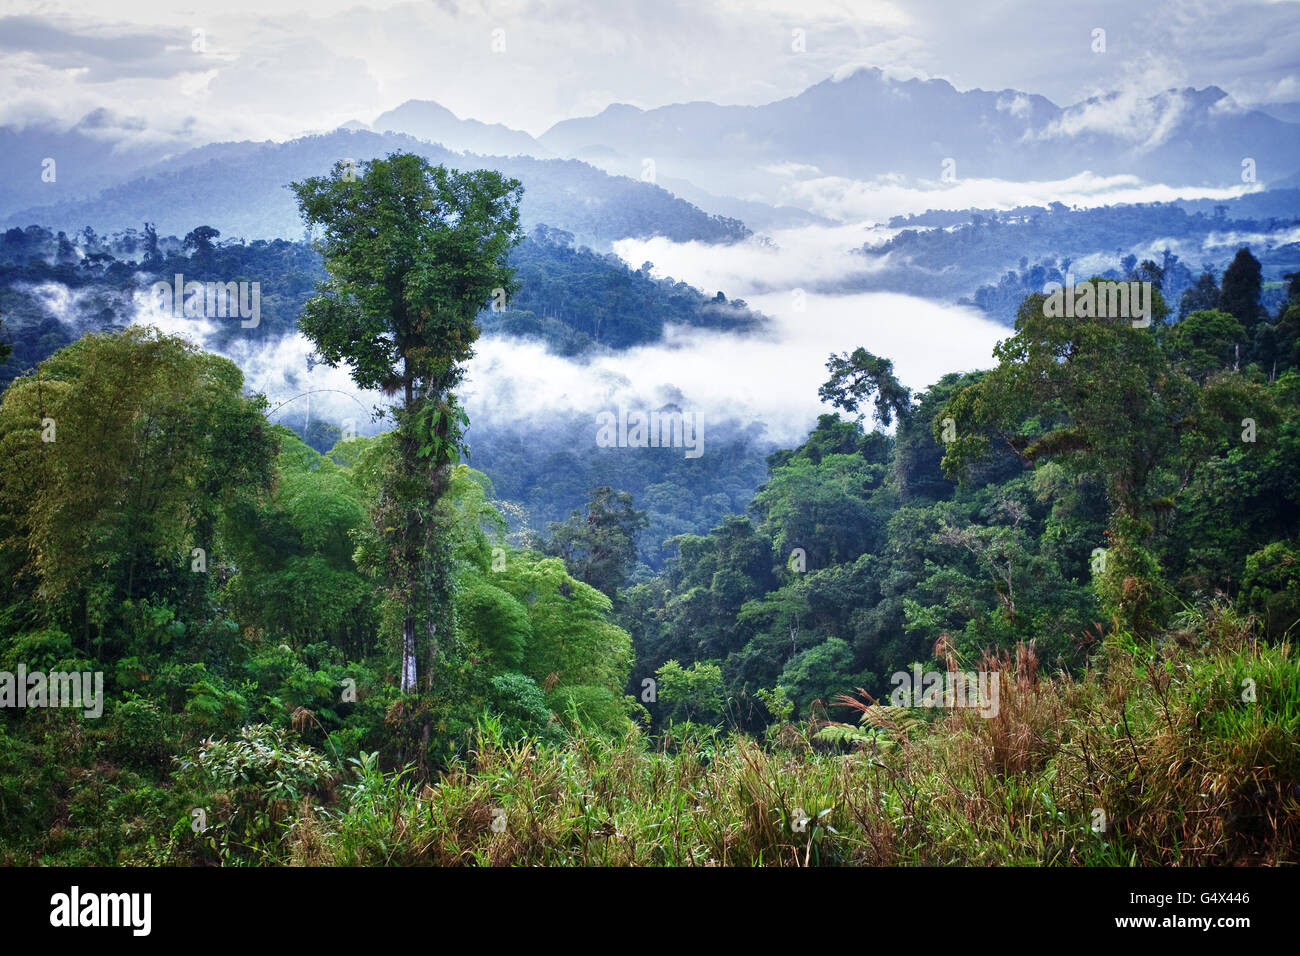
{"x":275,"y":68}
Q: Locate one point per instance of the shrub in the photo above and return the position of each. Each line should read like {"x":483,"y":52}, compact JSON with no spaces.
{"x":250,"y":787}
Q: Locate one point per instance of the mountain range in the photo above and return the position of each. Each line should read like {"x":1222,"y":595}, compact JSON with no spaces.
{"x":242,"y":190}
{"x":866,"y":126}
{"x":684,"y":170}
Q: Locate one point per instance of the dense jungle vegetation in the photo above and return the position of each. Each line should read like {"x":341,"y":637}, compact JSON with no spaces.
{"x":348,"y":654}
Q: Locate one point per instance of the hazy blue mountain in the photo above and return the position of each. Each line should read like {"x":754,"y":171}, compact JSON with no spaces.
{"x":866,"y":125}
{"x":241,"y":189}
{"x":100,"y":150}
{"x":87,"y":166}
{"x":427,"y":120}
{"x":732,"y":161}
{"x":1287,"y":112}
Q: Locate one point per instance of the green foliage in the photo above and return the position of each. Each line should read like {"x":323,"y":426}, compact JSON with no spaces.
{"x":1271,"y":586}
{"x":1239,"y":292}
{"x":830,"y":509}
{"x":858,"y":558}
{"x":1145,"y":493}
{"x":777,"y":703}
{"x":693,"y":694}
{"x":143,"y":730}
{"x":1100,"y":396}
{"x":297,"y":579}
{"x":574,"y":652}
{"x":413,"y":252}
{"x":212,"y":707}
{"x":494,"y":620}
{"x":855,"y":378}
{"x":249,"y":787}
{"x":817,"y":675}
{"x":599,"y":548}
{"x":522,"y":706}
{"x":844,"y":735}
{"x":173,"y":446}
{"x":1149,"y":737}
{"x":577,"y":300}
{"x":1205,"y":342}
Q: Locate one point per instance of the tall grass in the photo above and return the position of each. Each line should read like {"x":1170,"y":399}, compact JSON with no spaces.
{"x":1155,"y":756}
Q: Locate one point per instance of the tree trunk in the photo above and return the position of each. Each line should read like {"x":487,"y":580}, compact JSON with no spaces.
{"x":408,"y":655}
{"x":406,"y":444}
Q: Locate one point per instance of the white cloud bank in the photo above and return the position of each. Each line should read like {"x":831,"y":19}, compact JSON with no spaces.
{"x":770,"y":377}
{"x":842,"y":198}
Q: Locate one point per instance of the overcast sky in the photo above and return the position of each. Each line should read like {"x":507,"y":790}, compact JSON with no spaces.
{"x":276,"y":68}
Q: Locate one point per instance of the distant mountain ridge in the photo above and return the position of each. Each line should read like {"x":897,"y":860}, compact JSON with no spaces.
{"x":42,"y":164}
{"x":427,"y":120}
{"x":242,"y":189}
{"x":866,"y":125}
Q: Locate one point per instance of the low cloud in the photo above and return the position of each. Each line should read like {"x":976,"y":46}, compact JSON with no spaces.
{"x":1217,"y":247}
{"x":1142,"y":111}
{"x":770,"y":377}
{"x":1019,"y":106}
{"x":1145,"y":122}
{"x":880,"y":198}
{"x":278,"y":368}
{"x":781,"y":259}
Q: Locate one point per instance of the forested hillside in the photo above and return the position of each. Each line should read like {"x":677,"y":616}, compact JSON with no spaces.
{"x":55,"y":286}
{"x":993,"y":258}
{"x":648,"y":437}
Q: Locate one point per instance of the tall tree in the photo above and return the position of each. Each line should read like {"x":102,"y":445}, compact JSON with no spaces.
{"x":1201,"y":297}
{"x":1204,"y":341}
{"x":1239,"y":295}
{"x":414,"y":252}
{"x":599,"y":548}
{"x":200,"y":240}
{"x":856,"y":377}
